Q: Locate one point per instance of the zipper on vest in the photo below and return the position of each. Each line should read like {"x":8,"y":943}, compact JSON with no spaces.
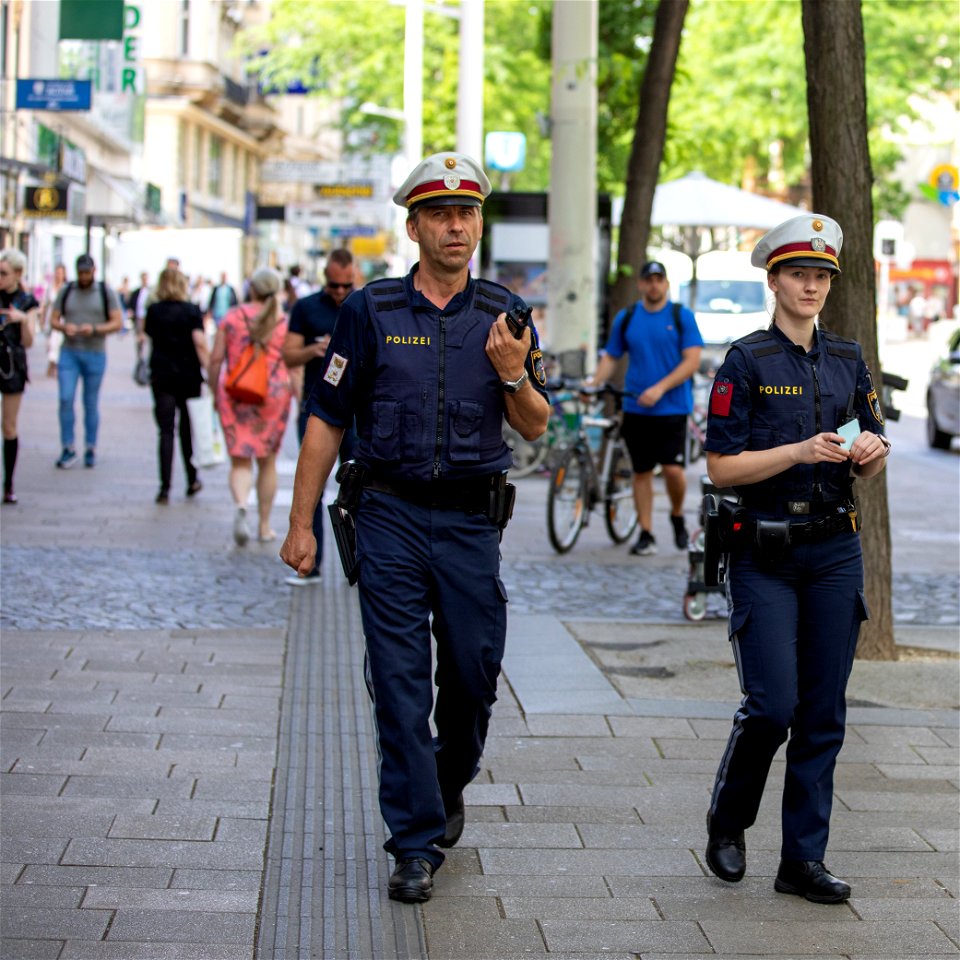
{"x":438,"y":448}
{"x":818,"y":426}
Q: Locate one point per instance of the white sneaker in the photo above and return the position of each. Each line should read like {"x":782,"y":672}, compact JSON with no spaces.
{"x":308,"y":581}
{"x":241,"y":533}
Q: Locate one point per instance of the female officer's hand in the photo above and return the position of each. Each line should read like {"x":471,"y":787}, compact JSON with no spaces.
{"x":822,"y":448}
{"x":867,"y":448}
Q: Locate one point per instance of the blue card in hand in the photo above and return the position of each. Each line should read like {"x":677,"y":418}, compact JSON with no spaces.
{"x":849,"y":431}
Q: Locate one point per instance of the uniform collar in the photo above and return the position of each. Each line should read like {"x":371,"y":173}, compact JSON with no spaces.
{"x":795,"y":347}
{"x":419,"y":302}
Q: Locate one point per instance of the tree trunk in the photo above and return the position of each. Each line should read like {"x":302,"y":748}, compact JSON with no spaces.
{"x":647,"y":150}
{"x":842,"y":182}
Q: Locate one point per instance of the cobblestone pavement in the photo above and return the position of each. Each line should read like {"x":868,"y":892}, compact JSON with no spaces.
{"x":159,"y":589}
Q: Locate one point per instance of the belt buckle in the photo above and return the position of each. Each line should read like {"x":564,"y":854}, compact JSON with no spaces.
{"x":798,"y":508}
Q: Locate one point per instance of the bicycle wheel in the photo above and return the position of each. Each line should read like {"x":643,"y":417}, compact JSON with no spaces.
{"x":566,"y":501}
{"x":527,"y":454}
{"x":620,"y":510}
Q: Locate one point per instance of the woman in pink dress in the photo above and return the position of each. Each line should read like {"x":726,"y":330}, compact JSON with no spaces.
{"x":253,"y":431}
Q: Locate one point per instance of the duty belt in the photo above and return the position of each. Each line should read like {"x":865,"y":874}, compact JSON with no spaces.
{"x":471,"y":495}
{"x":812,"y":531}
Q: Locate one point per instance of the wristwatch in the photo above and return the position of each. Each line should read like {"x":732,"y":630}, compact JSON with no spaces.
{"x":512,"y":386}
{"x":886,"y":444}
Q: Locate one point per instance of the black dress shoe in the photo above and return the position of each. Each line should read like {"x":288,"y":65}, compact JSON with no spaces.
{"x":456,"y":818}
{"x":726,"y":855}
{"x":810,"y":879}
{"x":411,"y":881}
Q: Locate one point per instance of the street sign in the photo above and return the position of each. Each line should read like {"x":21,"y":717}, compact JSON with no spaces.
{"x":36,"y":94}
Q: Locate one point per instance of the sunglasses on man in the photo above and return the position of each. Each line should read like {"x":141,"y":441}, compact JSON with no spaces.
{"x":339,"y":286}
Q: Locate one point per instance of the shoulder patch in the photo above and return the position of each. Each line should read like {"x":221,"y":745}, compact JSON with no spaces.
{"x":536,"y":360}
{"x":721,"y":396}
{"x":335,"y":369}
{"x":758,"y":337}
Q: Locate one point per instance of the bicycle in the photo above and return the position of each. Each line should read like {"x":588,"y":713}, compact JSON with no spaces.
{"x":578,"y":484}
{"x":530,"y":455}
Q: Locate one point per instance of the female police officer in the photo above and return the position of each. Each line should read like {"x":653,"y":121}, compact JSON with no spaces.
{"x":428,"y":366}
{"x":793,"y":420}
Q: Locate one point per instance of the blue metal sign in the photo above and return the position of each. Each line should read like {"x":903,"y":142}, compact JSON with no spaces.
{"x":34,"y":94}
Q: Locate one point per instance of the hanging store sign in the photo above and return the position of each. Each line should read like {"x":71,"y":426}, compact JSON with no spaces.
{"x":45,"y":201}
{"x":36,"y":94}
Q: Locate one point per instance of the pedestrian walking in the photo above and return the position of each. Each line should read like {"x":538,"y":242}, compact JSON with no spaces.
{"x":18,"y":316}
{"x":428,"y":366}
{"x":664,"y":347}
{"x":253,"y":432}
{"x":54,"y":337}
{"x":222,"y":298}
{"x":86,"y":312}
{"x":311,"y":325}
{"x":794,"y":420}
{"x":178,"y":354}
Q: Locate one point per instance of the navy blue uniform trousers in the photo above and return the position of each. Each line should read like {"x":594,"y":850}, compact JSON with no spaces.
{"x":417,"y":563}
{"x":794,"y":631}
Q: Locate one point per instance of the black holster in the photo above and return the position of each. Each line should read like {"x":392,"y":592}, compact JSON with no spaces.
{"x":714,"y":554}
{"x":773,"y":540}
{"x":503,"y":495}
{"x":351,"y":477}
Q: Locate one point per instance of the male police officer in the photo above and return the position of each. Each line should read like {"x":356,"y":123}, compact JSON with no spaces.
{"x":429,"y":367}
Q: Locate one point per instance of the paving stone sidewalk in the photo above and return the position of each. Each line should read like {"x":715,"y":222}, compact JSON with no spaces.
{"x":187,"y":768}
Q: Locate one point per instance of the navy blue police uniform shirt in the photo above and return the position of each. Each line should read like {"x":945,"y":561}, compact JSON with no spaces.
{"x":400,"y":436}
{"x":313,"y":317}
{"x":769,"y":392}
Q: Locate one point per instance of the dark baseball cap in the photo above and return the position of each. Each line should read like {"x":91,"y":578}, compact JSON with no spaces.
{"x":651,"y":267}
{"x":85,"y":262}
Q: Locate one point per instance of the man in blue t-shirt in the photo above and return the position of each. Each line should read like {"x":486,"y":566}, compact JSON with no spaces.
{"x":312,"y":320}
{"x":664,"y":347}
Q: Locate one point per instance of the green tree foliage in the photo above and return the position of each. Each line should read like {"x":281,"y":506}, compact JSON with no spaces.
{"x":352,"y":53}
{"x":741,"y":86}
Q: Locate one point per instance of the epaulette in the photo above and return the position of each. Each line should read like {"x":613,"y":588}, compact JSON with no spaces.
{"x":839,"y":346}
{"x":491,"y":297}
{"x":386,"y":294}
{"x":761,"y":343}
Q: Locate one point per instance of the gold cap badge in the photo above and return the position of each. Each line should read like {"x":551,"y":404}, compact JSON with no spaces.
{"x":817,"y":225}
{"x":450,"y":163}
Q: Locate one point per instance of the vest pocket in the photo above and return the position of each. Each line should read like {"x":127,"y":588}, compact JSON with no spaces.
{"x":466,"y":417}
{"x":387,"y":420}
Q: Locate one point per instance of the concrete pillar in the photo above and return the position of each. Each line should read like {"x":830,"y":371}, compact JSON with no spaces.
{"x":572,"y":212}
{"x":470,"y":89}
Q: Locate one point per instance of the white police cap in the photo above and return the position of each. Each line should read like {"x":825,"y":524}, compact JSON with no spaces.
{"x":810,"y":240}
{"x":444,"y":179}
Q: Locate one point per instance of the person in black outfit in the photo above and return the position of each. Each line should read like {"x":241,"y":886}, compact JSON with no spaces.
{"x":794,"y":420}
{"x":177,"y":356}
{"x":18,"y":316}
{"x":311,"y":324}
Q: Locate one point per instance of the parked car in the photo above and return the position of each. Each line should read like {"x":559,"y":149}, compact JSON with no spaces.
{"x":943,"y":397}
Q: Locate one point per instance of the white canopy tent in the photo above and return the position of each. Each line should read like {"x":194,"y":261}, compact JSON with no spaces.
{"x":696,"y":203}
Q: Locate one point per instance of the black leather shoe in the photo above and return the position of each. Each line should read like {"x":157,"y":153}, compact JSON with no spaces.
{"x":726,"y":855}
{"x":411,"y":881}
{"x":456,"y":818}
{"x":810,"y":879}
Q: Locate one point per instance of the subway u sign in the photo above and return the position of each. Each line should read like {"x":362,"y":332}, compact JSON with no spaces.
{"x":45,"y":201}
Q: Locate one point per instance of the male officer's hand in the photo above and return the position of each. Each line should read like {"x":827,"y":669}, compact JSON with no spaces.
{"x":507,"y":355}
{"x":299,"y":550}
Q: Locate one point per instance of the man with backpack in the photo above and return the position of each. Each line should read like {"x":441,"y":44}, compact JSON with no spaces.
{"x":664,"y":347}
{"x":86,"y":312}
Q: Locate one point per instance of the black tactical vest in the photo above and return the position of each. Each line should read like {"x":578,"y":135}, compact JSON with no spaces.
{"x":795,"y":397}
{"x":436,"y":410}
